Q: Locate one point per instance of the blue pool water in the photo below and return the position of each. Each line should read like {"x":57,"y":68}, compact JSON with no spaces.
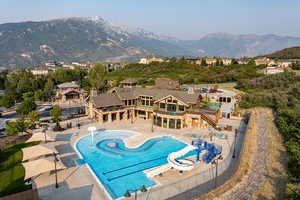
{"x":119,"y":168}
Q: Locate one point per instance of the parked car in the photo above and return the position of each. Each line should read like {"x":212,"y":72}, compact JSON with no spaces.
{"x":2,"y":135}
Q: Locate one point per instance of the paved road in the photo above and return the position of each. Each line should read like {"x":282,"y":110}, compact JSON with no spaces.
{"x":229,"y":85}
{"x":251,"y":183}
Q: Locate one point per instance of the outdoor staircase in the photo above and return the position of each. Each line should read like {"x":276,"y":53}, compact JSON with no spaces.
{"x":210,"y":121}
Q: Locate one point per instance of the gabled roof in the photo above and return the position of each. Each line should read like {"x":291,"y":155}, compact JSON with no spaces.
{"x":157,"y":94}
{"x":68,"y":85}
{"x":129,"y":81}
{"x":106,"y":100}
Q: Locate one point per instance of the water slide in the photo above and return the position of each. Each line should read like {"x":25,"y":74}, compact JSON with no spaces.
{"x":181,"y":164}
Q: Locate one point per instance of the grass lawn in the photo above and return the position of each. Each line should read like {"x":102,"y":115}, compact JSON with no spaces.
{"x":11,"y":170}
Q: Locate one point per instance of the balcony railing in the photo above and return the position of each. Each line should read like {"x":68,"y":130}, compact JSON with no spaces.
{"x":172,"y":113}
{"x":111,"y":109}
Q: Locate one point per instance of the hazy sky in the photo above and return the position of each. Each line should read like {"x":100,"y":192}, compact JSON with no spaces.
{"x":186,"y":19}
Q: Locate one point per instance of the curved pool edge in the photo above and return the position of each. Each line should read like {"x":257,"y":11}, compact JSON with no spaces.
{"x":102,"y":185}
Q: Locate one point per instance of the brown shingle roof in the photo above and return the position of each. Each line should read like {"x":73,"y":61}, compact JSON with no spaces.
{"x":133,"y":93}
{"x":129,"y":81}
{"x":106,"y":100}
{"x":68,"y":85}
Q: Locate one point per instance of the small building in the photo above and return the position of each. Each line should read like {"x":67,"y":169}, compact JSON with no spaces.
{"x":273,"y":70}
{"x":150,"y":60}
{"x":242,"y":61}
{"x":70,"y":93}
{"x":264,"y":61}
{"x":41,"y":71}
{"x":226,"y":61}
{"x":211,"y":61}
{"x":196,"y":61}
{"x":166,"y":83}
{"x":129,"y":83}
{"x":284,"y":63}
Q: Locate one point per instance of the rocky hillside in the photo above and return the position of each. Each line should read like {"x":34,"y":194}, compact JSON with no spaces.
{"x":93,"y":39}
{"x":288,"y":53}
{"x":77,"y":39}
{"x":228,"y":45}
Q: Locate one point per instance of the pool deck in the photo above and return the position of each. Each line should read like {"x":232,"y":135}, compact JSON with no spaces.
{"x":77,"y":182}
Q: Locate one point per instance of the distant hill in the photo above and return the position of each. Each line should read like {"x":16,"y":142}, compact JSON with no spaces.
{"x":26,"y":44}
{"x":288,"y":53}
{"x":229,"y":45}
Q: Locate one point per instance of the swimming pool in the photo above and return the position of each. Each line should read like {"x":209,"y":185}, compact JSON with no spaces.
{"x":119,"y":168}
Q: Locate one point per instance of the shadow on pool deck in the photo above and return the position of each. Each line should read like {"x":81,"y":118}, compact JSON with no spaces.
{"x":63,"y":137}
{"x":64,"y":148}
{"x":64,"y":192}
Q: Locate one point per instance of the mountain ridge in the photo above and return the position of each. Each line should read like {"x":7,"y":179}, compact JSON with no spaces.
{"x":94,"y":39}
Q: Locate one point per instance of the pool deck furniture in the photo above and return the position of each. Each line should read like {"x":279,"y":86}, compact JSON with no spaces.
{"x":76,"y":182}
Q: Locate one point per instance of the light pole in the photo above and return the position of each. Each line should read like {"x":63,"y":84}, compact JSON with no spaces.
{"x":45,"y":135}
{"x":92,"y":129}
{"x":216,"y":163}
{"x":55,"y":168}
{"x":142,"y":189}
{"x":234,"y":144}
{"x":152,"y":128}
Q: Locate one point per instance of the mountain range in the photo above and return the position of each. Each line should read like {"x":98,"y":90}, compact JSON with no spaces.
{"x":26,"y":44}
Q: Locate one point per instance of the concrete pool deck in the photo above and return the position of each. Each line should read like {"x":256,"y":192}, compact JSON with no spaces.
{"x":77,"y":182}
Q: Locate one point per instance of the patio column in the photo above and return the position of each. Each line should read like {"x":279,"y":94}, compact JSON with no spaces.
{"x":168,"y":122}
{"x":109,"y":117}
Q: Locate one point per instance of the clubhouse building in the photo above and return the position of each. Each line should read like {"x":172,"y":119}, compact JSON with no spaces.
{"x":171,"y":109}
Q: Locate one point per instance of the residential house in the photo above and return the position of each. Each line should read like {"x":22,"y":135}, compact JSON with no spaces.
{"x":211,"y":61}
{"x":243,"y":61}
{"x":150,"y":60}
{"x":166,"y":108}
{"x":70,"y":93}
{"x":273,"y":70}
{"x":226,"y":61}
{"x":129,"y":83}
{"x":41,"y":71}
{"x":196,"y":61}
{"x":264,"y":61}
{"x":284,"y":63}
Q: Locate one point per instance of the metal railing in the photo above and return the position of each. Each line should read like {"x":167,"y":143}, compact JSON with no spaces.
{"x":195,"y":185}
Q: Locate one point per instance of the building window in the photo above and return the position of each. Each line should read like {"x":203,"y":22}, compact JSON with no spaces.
{"x":171,"y":107}
{"x":129,"y":102}
{"x":158,"y":121}
{"x":151,"y":103}
{"x":162,"y":105}
{"x":141,"y":112}
{"x":172,"y":123}
{"x":174,"y":101}
{"x":181,"y":107}
{"x":143,"y":102}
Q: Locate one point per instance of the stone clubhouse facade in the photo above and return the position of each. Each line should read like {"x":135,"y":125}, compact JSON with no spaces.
{"x":171,"y":109}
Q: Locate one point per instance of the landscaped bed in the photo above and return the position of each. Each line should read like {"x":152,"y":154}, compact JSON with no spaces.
{"x":11,"y":169}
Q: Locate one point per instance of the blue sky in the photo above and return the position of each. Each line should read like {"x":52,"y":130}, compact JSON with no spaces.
{"x":186,"y":19}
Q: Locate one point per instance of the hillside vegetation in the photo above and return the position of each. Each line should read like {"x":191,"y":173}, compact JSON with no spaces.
{"x":282,"y":93}
{"x":288,"y":53}
{"x":185,"y":72}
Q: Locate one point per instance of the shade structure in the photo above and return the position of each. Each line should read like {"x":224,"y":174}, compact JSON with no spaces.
{"x":40,"y":136}
{"x":38,"y":150}
{"x":40,"y":166}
